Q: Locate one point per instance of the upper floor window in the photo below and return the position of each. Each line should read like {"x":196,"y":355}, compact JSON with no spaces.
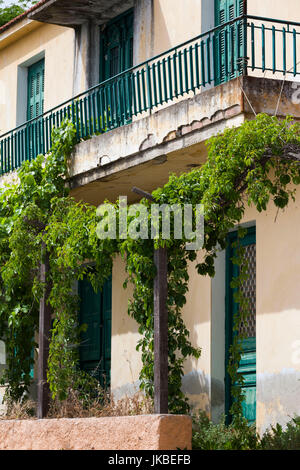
{"x":36,"y":86}
{"x":117,"y":46}
{"x":225,"y":11}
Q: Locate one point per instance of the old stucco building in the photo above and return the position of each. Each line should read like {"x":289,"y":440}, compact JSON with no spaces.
{"x":180,"y":91}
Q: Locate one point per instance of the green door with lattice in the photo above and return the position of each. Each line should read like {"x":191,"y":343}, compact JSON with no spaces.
{"x":229,"y":44}
{"x":116,"y":56}
{"x":247,"y":366}
{"x":95,"y":314}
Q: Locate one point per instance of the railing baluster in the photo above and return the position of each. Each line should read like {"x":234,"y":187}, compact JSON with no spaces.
{"x":253,"y":45}
{"x":138,"y":84}
{"x":208,"y":60}
{"x":295,"y":51}
{"x":263,"y":47}
{"x":144,"y":90}
{"x":284,"y":50}
{"x":214,"y":55}
{"x":159,"y":82}
{"x":180,"y":73}
{"x":133,"y":88}
{"x":175,"y":74}
{"x":2,"y":158}
{"x":274,"y":48}
{"x":202,"y":64}
{"x":155,"y":98}
{"x":197,"y":66}
{"x":165,"y":80}
{"x":192,"y":67}
{"x":149,"y":88}
{"x":170,"y":78}
{"x":186,"y":75}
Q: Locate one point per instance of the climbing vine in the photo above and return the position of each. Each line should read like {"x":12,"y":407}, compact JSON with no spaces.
{"x":254,"y":164}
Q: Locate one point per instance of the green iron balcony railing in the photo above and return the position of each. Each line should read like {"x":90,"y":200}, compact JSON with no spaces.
{"x":244,"y":45}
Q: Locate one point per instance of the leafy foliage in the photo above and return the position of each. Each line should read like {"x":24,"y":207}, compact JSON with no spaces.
{"x":210,"y":436}
{"x":278,"y":438}
{"x":7,"y":13}
{"x":245,"y":165}
{"x":240,"y":436}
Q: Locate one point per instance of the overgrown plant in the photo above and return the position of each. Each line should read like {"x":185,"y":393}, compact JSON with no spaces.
{"x":253,"y":164}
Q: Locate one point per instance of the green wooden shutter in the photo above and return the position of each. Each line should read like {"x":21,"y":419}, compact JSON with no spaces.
{"x":36,"y":85}
{"x":95,"y":313}
{"x":228,"y":49}
{"x":247,"y":366}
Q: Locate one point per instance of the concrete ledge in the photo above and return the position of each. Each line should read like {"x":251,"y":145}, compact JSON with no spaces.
{"x":148,"y":432}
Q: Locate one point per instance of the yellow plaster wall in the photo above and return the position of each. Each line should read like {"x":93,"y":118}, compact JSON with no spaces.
{"x":290,"y":10}
{"x":125,"y":361}
{"x":175,"y":21}
{"x":58,"y":44}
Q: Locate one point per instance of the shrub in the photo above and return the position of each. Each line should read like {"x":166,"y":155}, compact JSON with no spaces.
{"x":278,"y":438}
{"x":209,"y":436}
{"x":241,"y":436}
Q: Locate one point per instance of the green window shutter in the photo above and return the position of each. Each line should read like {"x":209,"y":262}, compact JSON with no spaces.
{"x":95,"y":313}
{"x":36,"y":86}
{"x":226,"y":56}
{"x":247,"y":366}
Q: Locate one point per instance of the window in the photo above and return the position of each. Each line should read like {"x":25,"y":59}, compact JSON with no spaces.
{"x":248,"y":360}
{"x":228,"y":49}
{"x":36,"y":86}
{"x":116,"y":56}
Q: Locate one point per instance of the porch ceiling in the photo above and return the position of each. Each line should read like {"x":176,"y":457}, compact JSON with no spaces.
{"x":73,"y":13}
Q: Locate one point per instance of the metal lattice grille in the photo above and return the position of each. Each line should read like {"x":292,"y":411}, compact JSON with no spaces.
{"x":249,"y":290}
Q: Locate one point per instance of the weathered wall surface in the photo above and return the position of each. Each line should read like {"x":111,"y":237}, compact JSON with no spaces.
{"x":149,"y":432}
{"x":125,"y":360}
{"x":277,"y":317}
{"x":175,"y":22}
{"x":45,"y":41}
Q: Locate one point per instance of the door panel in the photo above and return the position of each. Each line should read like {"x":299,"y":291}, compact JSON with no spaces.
{"x":247,"y":366}
{"x":116,"y":57}
{"x":95,"y":348}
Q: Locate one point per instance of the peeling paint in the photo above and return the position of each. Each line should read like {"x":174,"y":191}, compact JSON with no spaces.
{"x":277,"y":397}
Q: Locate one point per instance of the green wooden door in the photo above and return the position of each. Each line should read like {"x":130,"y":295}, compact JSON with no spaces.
{"x":247,"y":365}
{"x":95,"y":348}
{"x":117,"y":56}
{"x":35,"y":94}
{"x":229,"y":41}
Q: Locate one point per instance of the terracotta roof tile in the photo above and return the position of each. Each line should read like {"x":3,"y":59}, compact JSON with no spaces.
{"x":22,"y":16}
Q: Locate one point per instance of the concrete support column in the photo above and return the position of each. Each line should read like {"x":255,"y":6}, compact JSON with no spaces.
{"x":87,"y":57}
{"x":143,"y":42}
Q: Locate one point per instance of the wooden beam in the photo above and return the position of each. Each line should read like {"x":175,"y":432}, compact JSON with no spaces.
{"x":161,"y":332}
{"x":44,"y":335}
{"x":161,"y":371}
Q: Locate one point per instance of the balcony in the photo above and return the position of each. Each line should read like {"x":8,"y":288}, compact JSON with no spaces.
{"x":248,"y":45}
